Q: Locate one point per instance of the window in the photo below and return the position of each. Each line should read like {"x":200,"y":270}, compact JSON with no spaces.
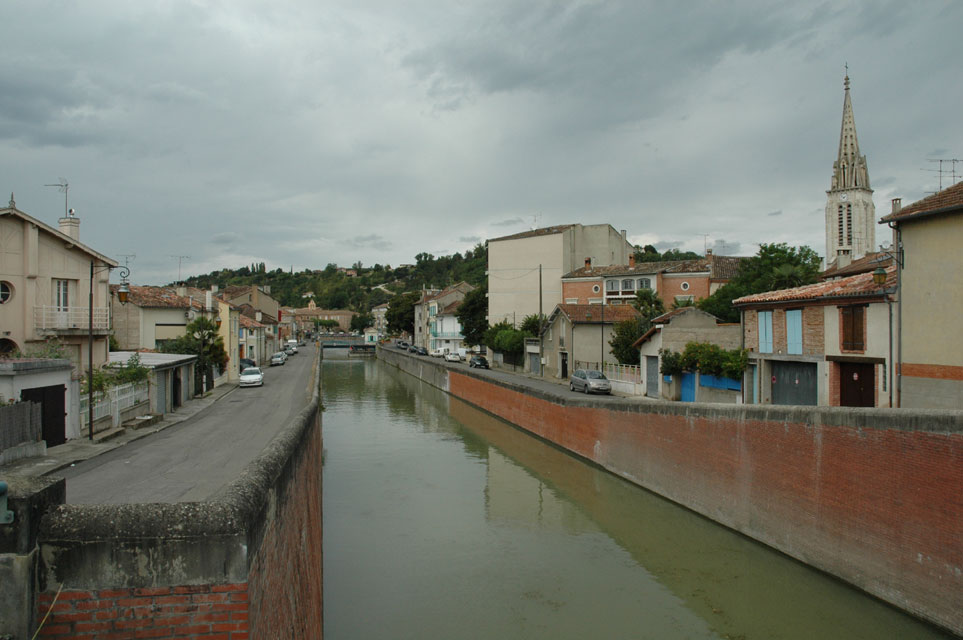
{"x":794,"y":332}
{"x":685,"y":286}
{"x":6,"y":291}
{"x":63,"y":299}
{"x":849,"y":224}
{"x":839,"y":218}
{"x":851,"y":327}
{"x":765,"y":331}
{"x":645,"y":283}
{"x":596,"y":288}
{"x":628,"y":285}
{"x":612,"y":286}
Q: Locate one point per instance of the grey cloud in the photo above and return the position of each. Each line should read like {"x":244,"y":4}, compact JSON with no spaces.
{"x":372,"y":241}
{"x":226,"y":238}
{"x":508,"y":223}
{"x":470,"y":239}
{"x":778,"y":212}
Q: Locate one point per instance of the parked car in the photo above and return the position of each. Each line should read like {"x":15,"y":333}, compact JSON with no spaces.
{"x":289,"y":350}
{"x":590,"y":381}
{"x":412,"y":349}
{"x":479,"y":362}
{"x":278,"y":358}
{"x":402,"y":345}
{"x":421,"y":351}
{"x":251,"y":377}
{"x":292,"y":344}
{"x":246,"y":362}
{"x":452,"y":357}
{"x":438,"y":353}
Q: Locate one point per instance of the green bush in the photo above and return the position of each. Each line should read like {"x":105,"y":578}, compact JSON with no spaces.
{"x":706,"y":358}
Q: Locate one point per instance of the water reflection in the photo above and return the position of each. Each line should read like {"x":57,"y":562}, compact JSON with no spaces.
{"x":443,"y":521}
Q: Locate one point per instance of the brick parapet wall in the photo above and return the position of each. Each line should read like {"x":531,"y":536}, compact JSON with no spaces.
{"x":872,"y":496}
{"x":196,"y":611}
{"x":168,"y":570}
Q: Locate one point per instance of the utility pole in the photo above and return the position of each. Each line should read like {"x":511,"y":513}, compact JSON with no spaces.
{"x":541,"y":321}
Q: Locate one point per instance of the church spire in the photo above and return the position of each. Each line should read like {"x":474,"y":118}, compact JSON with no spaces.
{"x":849,"y":170}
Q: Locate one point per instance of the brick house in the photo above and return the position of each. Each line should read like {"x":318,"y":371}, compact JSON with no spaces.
{"x":674,"y":280}
{"x":929,"y":353}
{"x":827,"y":343}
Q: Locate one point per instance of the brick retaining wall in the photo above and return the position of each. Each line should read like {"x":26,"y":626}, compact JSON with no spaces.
{"x":872,"y":496}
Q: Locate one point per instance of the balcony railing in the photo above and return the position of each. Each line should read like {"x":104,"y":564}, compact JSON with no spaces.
{"x":454,"y":335}
{"x":70,"y":318}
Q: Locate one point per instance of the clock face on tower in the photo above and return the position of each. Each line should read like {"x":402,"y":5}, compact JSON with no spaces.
{"x":844,"y":197}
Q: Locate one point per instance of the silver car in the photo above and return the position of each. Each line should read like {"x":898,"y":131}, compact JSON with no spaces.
{"x":590,"y":381}
{"x":251,"y":377}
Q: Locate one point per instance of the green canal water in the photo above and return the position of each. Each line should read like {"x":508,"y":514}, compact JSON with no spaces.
{"x":441,"y":521}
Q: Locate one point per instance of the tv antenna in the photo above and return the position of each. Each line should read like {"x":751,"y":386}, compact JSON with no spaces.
{"x":941,"y":171}
{"x":128,"y":258}
{"x":180,"y":259}
{"x":63,"y":187}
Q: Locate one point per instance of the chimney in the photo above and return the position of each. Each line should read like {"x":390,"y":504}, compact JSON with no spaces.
{"x":266,"y":289}
{"x":708,"y":252}
{"x":257,"y":316}
{"x":843,"y":259}
{"x":214,"y":288}
{"x":181,"y":291}
{"x":588,"y":263}
{"x":897,"y":205}
{"x":70,"y":226}
{"x":209,"y":300}
{"x":631,"y":259}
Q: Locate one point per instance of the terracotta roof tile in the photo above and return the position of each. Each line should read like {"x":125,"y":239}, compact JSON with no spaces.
{"x":593,"y":313}
{"x":869,"y":262}
{"x":718,"y":268}
{"x":159,"y":298}
{"x":948,"y":197}
{"x":860,"y":285}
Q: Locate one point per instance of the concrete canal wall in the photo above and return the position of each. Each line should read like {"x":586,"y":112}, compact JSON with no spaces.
{"x":872,"y":496}
{"x":246,"y":564}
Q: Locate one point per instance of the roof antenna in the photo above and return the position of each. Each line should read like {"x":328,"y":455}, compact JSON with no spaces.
{"x":63,"y":187}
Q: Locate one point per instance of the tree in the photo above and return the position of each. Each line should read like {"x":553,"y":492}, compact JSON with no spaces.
{"x":649,"y":304}
{"x":624,"y":335}
{"x":401,"y":312}
{"x":473,"y":315}
{"x":774,"y":266}
{"x":201,"y":339}
{"x":361,"y":321}
{"x":531,"y":325}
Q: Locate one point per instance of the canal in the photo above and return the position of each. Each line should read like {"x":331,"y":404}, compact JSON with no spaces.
{"x":441,"y":521}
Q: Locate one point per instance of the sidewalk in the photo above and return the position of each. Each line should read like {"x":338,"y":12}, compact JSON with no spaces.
{"x":81,"y":449}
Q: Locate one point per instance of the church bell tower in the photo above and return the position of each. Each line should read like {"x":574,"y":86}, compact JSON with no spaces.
{"x":850,"y":213}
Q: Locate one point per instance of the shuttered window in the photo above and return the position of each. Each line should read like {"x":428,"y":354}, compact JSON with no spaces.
{"x":851,"y":321}
{"x":765,"y":332}
{"x":794,"y":332}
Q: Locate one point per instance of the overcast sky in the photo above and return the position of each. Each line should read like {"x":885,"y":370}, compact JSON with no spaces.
{"x":300,"y":133}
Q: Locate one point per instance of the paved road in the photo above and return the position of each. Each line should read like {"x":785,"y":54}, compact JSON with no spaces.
{"x":191,"y":461}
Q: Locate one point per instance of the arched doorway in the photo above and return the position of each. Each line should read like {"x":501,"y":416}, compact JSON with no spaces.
{"x":7,"y":347}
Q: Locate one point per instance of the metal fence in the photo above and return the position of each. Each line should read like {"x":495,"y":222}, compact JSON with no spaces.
{"x":114,"y":402}
{"x":631,"y":373}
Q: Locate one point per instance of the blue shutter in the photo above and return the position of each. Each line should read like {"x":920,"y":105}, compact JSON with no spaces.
{"x":765,"y":332}
{"x":794,"y":332}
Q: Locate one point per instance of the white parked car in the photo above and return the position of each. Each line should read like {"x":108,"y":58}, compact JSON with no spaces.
{"x":437,"y":353}
{"x":278,"y":358}
{"x":589,"y":381}
{"x":452,"y":357}
{"x":252,"y":377}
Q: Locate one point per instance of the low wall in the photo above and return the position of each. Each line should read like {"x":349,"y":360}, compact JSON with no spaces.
{"x":246,"y":564}
{"x":872,"y":496}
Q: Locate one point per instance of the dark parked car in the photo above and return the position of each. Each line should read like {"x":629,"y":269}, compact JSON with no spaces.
{"x":478,"y":362}
{"x":246,"y":362}
{"x":412,"y":349}
{"x":421,"y":351}
{"x":590,"y":381}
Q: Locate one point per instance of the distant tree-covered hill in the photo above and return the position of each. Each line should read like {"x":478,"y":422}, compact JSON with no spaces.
{"x":334,"y":288}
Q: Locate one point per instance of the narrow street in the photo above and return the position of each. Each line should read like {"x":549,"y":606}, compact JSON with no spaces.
{"x":192,"y":460}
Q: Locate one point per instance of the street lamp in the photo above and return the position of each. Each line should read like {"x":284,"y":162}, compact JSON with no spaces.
{"x":123,"y":291}
{"x":879,"y":276}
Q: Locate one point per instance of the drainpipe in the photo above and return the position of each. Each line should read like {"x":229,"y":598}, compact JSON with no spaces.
{"x":898,"y":257}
